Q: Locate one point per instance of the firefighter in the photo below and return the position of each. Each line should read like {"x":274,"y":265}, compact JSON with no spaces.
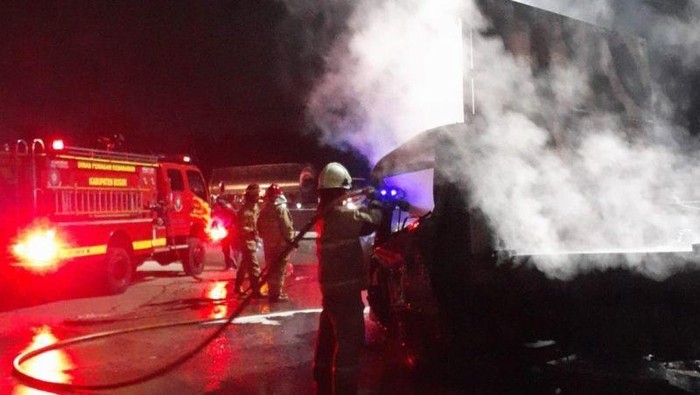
{"x":248,"y":241}
{"x":277,"y":232}
{"x":226,"y":215}
{"x":342,"y":278}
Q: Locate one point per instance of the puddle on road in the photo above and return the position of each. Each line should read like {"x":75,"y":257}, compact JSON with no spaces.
{"x":50,"y":366}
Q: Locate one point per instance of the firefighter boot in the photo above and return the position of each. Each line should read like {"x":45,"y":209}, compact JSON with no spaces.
{"x":238,"y":283}
{"x":323,"y":381}
{"x":255,"y":286}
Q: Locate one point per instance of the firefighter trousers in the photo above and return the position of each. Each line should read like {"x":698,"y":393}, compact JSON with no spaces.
{"x":276,"y":269}
{"x":341,"y":336}
{"x":249,"y":266}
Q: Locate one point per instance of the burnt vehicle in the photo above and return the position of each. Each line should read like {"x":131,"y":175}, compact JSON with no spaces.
{"x":459,"y":297}
{"x":443,"y":288}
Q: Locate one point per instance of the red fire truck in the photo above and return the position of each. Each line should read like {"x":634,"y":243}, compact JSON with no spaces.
{"x":111,"y":210}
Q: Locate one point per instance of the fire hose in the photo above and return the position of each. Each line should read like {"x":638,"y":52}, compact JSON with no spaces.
{"x":58,"y":386}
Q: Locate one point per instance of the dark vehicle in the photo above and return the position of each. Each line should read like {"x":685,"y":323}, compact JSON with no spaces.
{"x":448,"y":289}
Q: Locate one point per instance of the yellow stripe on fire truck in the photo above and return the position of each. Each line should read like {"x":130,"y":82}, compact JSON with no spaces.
{"x":83,"y":251}
{"x":144,"y":244}
{"x":79,"y":252}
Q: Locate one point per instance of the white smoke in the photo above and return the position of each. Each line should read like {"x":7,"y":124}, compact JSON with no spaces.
{"x":677,"y":35}
{"x":587,"y":186}
{"x":397,"y":73}
{"x":592,"y":189}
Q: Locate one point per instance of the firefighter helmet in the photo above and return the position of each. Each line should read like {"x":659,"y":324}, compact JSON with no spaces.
{"x":273,"y":191}
{"x":334,"y":175}
{"x":252,"y":191}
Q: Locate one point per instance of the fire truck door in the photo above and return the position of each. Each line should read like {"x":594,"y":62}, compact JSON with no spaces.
{"x":200,"y":211}
{"x":178,"y":216}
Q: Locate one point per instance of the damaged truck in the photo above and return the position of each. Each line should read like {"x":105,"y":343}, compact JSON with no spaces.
{"x":499,"y":274}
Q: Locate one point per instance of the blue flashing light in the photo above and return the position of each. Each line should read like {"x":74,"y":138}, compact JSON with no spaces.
{"x":390,"y":194}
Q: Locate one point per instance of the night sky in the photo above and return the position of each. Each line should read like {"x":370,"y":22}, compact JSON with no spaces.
{"x":225,"y":81}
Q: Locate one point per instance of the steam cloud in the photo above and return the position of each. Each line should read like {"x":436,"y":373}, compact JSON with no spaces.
{"x":591,"y":187}
{"x":395,"y":74}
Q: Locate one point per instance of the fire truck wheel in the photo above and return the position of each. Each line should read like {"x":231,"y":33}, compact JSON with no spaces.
{"x":193,"y":261}
{"x":118,"y":270}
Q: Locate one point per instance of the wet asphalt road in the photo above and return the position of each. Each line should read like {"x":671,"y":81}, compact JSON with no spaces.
{"x":268,"y":351}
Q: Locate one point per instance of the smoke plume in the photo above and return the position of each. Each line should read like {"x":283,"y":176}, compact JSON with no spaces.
{"x":395,"y":73}
{"x":547,"y":186}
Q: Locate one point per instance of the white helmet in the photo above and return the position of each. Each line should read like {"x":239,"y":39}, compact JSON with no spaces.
{"x":334,"y":175}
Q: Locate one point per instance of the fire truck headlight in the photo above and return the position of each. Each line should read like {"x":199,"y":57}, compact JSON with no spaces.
{"x":38,"y":249}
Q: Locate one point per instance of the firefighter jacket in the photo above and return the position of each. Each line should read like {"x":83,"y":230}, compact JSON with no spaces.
{"x":275,"y":223}
{"x":247,"y":221}
{"x":340,"y":256}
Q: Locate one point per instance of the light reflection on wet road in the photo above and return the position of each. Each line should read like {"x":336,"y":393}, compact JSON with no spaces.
{"x":267,"y":351}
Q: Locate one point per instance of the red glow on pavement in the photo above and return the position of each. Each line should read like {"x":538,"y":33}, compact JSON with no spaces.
{"x":49,"y":366}
{"x":219,"y":357}
{"x":219,"y":353}
{"x":218,"y":292}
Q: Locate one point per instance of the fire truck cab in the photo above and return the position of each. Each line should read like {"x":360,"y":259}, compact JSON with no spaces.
{"x":111,"y":210}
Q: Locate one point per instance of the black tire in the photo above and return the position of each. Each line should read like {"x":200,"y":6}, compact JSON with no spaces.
{"x":118,"y":270}
{"x":193,"y":259}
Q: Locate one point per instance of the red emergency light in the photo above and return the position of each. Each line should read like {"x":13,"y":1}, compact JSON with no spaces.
{"x":178,"y":158}
{"x":38,"y":249}
{"x":217,"y":231}
{"x":58,"y":145}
